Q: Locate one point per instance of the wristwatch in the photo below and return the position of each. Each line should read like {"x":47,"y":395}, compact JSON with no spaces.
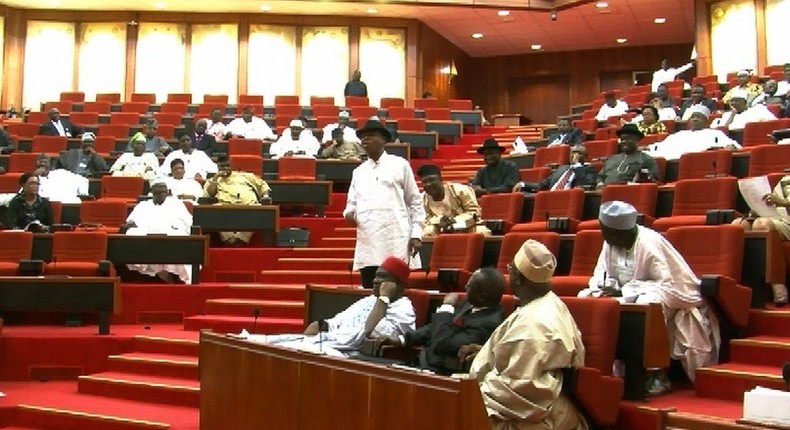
{"x":385,"y":299}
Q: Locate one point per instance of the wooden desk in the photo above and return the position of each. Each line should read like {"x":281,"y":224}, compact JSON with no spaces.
{"x":317,"y":193}
{"x":214,"y":218}
{"x":427,"y":140}
{"x":452,"y":129}
{"x":468,"y":117}
{"x":62,"y":293}
{"x":245,"y":386}
{"x":642,"y":343}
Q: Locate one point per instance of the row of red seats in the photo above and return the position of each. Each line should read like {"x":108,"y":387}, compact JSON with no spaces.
{"x":73,"y":253}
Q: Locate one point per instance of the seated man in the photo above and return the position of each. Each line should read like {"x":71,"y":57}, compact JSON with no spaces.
{"x":631,"y":164}
{"x":296,"y":141}
{"x":520,"y":367}
{"x":577,"y":173}
{"x":457,"y":323}
{"x":58,"y":126}
{"x":745,"y":87}
{"x":769,"y":95}
{"x":566,"y":134}
{"x":783,"y":86}
{"x":27,"y":210}
{"x":236,"y":188}
{"x":349,"y":134}
{"x":249,"y":126}
{"x":59,"y":185}
{"x":664,"y":103}
{"x":215,"y":126}
{"x":136,"y":163}
{"x":161,"y":215}
{"x":181,"y":186}
{"x":498,"y":175}
{"x":153,"y":143}
{"x":341,"y":149}
{"x":638,"y":265}
{"x":697,"y":137}
{"x":202,"y":140}
{"x":196,"y":162}
{"x":739,"y":114}
{"x":83,"y":161}
{"x":7,"y":145}
{"x":697,"y":100}
{"x":387,"y":312}
{"x":449,"y":207}
{"x":611,"y":107}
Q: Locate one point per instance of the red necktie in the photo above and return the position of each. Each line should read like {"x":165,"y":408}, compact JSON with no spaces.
{"x":563,"y":180}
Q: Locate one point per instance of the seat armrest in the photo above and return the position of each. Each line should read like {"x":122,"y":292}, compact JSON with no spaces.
{"x":558,"y":224}
{"x":598,"y":396}
{"x":105,"y":268}
{"x":719,"y":216}
{"x":61,"y":227}
{"x":497,"y":226}
{"x":196,"y":230}
{"x":86,"y":198}
{"x":207,"y":200}
{"x":731,"y":300}
{"x":448,"y":279}
{"x":31,"y":267}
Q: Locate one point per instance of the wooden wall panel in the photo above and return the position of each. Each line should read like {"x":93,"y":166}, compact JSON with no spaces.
{"x":540,"y":99}
{"x":435,"y":52}
{"x":492,"y":75}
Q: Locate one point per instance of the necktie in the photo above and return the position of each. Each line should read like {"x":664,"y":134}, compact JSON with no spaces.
{"x":563,"y":182}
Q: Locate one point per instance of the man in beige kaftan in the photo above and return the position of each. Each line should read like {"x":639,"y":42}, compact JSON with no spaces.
{"x":520,"y":367}
{"x":449,"y":207}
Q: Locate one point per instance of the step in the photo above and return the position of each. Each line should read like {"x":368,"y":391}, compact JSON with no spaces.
{"x":234,"y":324}
{"x":764,"y":350}
{"x":146,"y":363}
{"x":39,"y":417}
{"x":166,"y":345}
{"x":314,"y":263}
{"x":339,"y":241}
{"x":336,"y":277}
{"x":340,"y":251}
{"x":729,"y":381}
{"x":344,"y":232}
{"x":145,"y":388}
{"x":773,"y":322}
{"x":246,"y":307}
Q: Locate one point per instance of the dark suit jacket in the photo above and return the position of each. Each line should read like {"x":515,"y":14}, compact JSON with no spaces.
{"x":69,"y":160}
{"x":443,"y":337}
{"x":708,"y":103}
{"x":573,"y":137}
{"x":6,"y":144}
{"x":48,"y":129}
{"x":584,"y":175}
{"x":206,"y":143}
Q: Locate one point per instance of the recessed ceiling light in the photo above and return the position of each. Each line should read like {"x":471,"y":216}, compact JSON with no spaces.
{"x":601,"y":4}
{"x":622,"y":40}
{"x":660,"y":20}
{"x":160,"y":5}
{"x":503,"y":13}
{"x":372,"y":11}
{"x":536,"y":47}
{"x":266,"y":7}
{"x":477,"y":35}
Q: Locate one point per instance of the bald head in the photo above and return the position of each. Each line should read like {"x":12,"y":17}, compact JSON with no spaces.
{"x":485,"y":287}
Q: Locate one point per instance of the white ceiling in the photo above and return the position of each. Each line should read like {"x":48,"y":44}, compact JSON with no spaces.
{"x":582,"y":26}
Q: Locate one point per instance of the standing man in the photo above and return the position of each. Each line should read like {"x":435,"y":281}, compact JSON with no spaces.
{"x":384,"y":204}
{"x":667,"y":74}
{"x":498,"y":175}
{"x":355,"y":87}
{"x":519,"y":368}
{"x":58,"y":126}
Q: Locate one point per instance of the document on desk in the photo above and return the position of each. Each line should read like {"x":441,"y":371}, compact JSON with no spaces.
{"x":753,"y":190}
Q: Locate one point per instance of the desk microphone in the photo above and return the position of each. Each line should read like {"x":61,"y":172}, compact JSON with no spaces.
{"x":786,"y":375}
{"x":256,"y":312}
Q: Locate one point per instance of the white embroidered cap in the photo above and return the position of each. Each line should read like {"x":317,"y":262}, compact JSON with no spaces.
{"x":344,"y":114}
{"x":739,"y":94}
{"x":617,"y":215}
{"x":88,"y":137}
{"x":701,"y":109}
{"x":297,"y":123}
{"x":535,"y":261}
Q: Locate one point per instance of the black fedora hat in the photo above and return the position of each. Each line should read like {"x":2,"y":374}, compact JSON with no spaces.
{"x":630,"y":129}
{"x":490,"y":144}
{"x":374,"y":125}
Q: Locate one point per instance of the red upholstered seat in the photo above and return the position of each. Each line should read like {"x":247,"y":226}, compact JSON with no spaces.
{"x":641,"y":196}
{"x":353,"y":101}
{"x":57,"y":211}
{"x":459,"y":104}
{"x":287,"y":111}
{"x":38,"y":117}
{"x":99,"y":106}
{"x":698,"y":165}
{"x":245,"y":99}
{"x":600,"y":148}
{"x":286,"y":100}
{"x":437,"y":114}
{"x":23,"y":129}
{"x":104,"y":145}
{"x":215,"y":98}
{"x":555,"y":155}
{"x":550,"y":204}
{"x":504,"y":206}
{"x":765,"y":159}
{"x":50,"y":145}
{"x":296,"y":169}
{"x":717,"y":250}
{"x":166,"y":131}
{"x":180,"y":97}
{"x":426,"y":103}
{"x":142,"y":97}
{"x":9,"y":183}
{"x":82,"y":119}
{"x":604,"y":133}
{"x":326,"y":110}
{"x":124,"y":118}
{"x":207,"y":108}
{"x":512,"y":242}
{"x":77,"y":253}
{"x":17,"y":245}
{"x":758,"y":133}
{"x":587,"y":247}
{"x":22,"y":162}
{"x":247,"y":163}
{"x":400,"y":112}
{"x":63,"y":106}
{"x":323,"y":121}
{"x":239,"y":146}
{"x":73,"y":96}
{"x":411,"y":124}
{"x":140,"y":108}
{"x":390,"y":102}
{"x":126,"y":189}
{"x":694,"y":197}
{"x":363,"y":113}
{"x":104,"y":215}
{"x":419,"y":300}
{"x":173,"y":107}
{"x":462,"y":251}
{"x":167,"y":118}
{"x":321,"y":101}
{"x":111,"y":98}
{"x":534,"y":174}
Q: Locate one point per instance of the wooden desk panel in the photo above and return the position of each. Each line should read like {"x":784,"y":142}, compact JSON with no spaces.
{"x":642,"y":343}
{"x":317,"y":193}
{"x":236,"y":218}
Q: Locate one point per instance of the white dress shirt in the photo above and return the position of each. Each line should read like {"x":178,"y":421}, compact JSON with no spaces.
{"x":195,"y":163}
{"x":661,"y":76}
{"x":757,"y":113}
{"x":605,"y":111}
{"x":184,"y":187}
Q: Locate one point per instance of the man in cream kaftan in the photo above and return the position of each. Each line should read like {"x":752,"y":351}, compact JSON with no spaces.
{"x":652,"y":271}
{"x":520,"y":367}
{"x":449,"y":207}
{"x":384,"y":204}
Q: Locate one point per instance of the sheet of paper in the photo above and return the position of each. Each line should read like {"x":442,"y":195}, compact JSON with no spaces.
{"x":753,"y":190}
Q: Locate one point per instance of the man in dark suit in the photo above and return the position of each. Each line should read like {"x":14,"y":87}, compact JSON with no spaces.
{"x":58,"y":126}
{"x":566,"y":134}
{"x":83,"y":161}
{"x":698,"y":97}
{"x":457,"y":323}
{"x":202,"y":140}
{"x":577,"y":173}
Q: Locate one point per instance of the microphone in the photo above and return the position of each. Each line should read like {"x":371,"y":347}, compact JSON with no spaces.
{"x":256,"y":312}
{"x":786,"y":375}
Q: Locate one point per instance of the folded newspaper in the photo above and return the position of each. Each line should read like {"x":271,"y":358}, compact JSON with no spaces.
{"x":767,"y":406}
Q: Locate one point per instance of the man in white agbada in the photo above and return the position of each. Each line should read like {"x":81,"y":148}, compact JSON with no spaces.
{"x":197,"y":163}
{"x":384,"y":204}
{"x":386,"y":312}
{"x":740,"y":114}
{"x":520,"y":367}
{"x":349,"y":134}
{"x":180,"y":186}
{"x":215,"y":126}
{"x":696,"y":138}
{"x":161,"y":215}
{"x":638,"y":265}
{"x":136,"y":163}
{"x":249,"y":127}
{"x":296,"y":141}
{"x":59,"y":185}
